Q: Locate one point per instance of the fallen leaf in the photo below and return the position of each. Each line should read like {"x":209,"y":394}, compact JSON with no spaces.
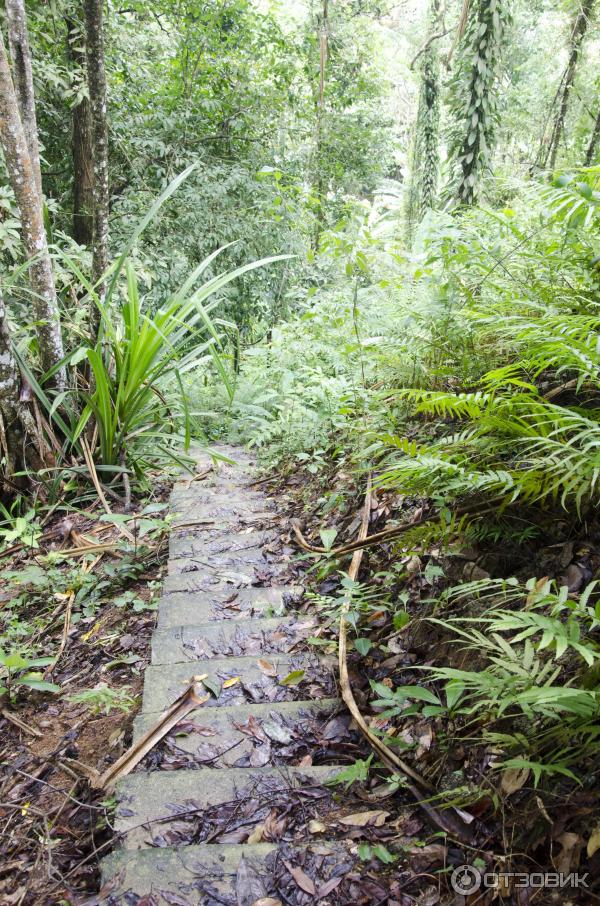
{"x":326,"y":888}
{"x":249,"y":886}
{"x":231,"y":682}
{"x":212,"y":685}
{"x":513,"y":779}
{"x":594,"y":841}
{"x":267,"y":901}
{"x":257,"y":834}
{"x":276,"y":732}
{"x":316,"y":827}
{"x":301,"y":878}
{"x":293,"y":678}
{"x":173,"y":899}
{"x":260,"y":755}
{"x":267,"y":668}
{"x":568,"y":858}
{"x":375,"y":818}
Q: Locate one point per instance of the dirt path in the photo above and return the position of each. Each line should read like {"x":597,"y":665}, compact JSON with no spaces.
{"x":228,"y":810}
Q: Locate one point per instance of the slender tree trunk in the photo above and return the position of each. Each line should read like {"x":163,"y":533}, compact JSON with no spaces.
{"x":21,"y":175}
{"x":97,"y":90}
{"x":320,"y":186}
{"x":595,"y":136}
{"x":577,"y":35}
{"x":82,"y":149}
{"x":18,"y":45}
{"x":19,"y":442}
{"x":425,"y":157}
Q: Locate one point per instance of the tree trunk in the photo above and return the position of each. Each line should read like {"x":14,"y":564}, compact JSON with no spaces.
{"x":18,"y":45}
{"x":577,"y":34}
{"x":20,"y":171}
{"x":97,"y":90}
{"x":320,"y":186}
{"x":19,"y":441}
{"x":591,"y":151}
{"x":425,"y":157}
{"x":82,"y":149}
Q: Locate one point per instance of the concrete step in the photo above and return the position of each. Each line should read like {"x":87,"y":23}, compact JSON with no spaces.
{"x":258,"y":637}
{"x":197,"y":604}
{"x":165,"y":683}
{"x":208,"y":875}
{"x":175,"y":808}
{"x":252,"y":735}
{"x":207,"y":540}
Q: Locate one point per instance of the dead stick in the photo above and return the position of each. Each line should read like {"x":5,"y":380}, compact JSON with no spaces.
{"x":125,"y":764}
{"x":390,"y":759}
{"x":20,"y":724}
{"x":386,"y":534}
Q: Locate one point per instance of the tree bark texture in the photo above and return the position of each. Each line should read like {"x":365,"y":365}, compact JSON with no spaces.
{"x":593,"y":145}
{"x":577,"y":35}
{"x":320,"y":187}
{"x":97,"y":91}
{"x":82,"y":148}
{"x":21,"y":175}
{"x":18,"y":45}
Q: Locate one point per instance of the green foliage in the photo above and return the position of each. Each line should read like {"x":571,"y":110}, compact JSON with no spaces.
{"x":16,"y":672}
{"x":102,"y":699}
{"x":528,"y":430}
{"x":531,"y":667}
{"x":357,"y":772}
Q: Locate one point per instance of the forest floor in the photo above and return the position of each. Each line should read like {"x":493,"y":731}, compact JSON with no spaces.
{"x":361,"y":839}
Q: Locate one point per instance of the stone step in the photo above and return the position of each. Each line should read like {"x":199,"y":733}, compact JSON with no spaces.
{"x":209,"y":875}
{"x":186,"y":602}
{"x":165,"y":683}
{"x":163,"y":808}
{"x":253,"y":735}
{"x":258,"y":637}
{"x":207,"y":540}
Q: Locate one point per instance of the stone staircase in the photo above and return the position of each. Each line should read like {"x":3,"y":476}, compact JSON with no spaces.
{"x":188,"y":816}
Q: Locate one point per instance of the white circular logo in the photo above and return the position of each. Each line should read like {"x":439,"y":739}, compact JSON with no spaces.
{"x":465,"y":880}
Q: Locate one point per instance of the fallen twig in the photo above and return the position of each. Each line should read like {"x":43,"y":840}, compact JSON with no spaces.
{"x":387,"y":534}
{"x":389,"y":758}
{"x":190,"y":699}
{"x":26,"y":728}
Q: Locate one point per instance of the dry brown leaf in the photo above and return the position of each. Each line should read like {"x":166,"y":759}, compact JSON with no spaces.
{"x":327,"y":887}
{"x":375,"y":818}
{"x":267,"y":901}
{"x":316,"y":827}
{"x":301,"y":878}
{"x":267,"y":668}
{"x":513,"y":779}
{"x":568,"y":858}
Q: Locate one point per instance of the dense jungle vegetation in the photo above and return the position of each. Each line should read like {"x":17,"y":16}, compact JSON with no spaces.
{"x":361,"y":237}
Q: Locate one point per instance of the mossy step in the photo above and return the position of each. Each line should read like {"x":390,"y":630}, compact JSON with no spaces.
{"x":248,"y":734}
{"x":164,"y":684}
{"x":186,"y":602}
{"x":253,"y":637}
{"x":161,"y":806}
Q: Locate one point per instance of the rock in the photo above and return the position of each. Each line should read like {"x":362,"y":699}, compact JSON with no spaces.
{"x":573,"y":578}
{"x":474,"y":573}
